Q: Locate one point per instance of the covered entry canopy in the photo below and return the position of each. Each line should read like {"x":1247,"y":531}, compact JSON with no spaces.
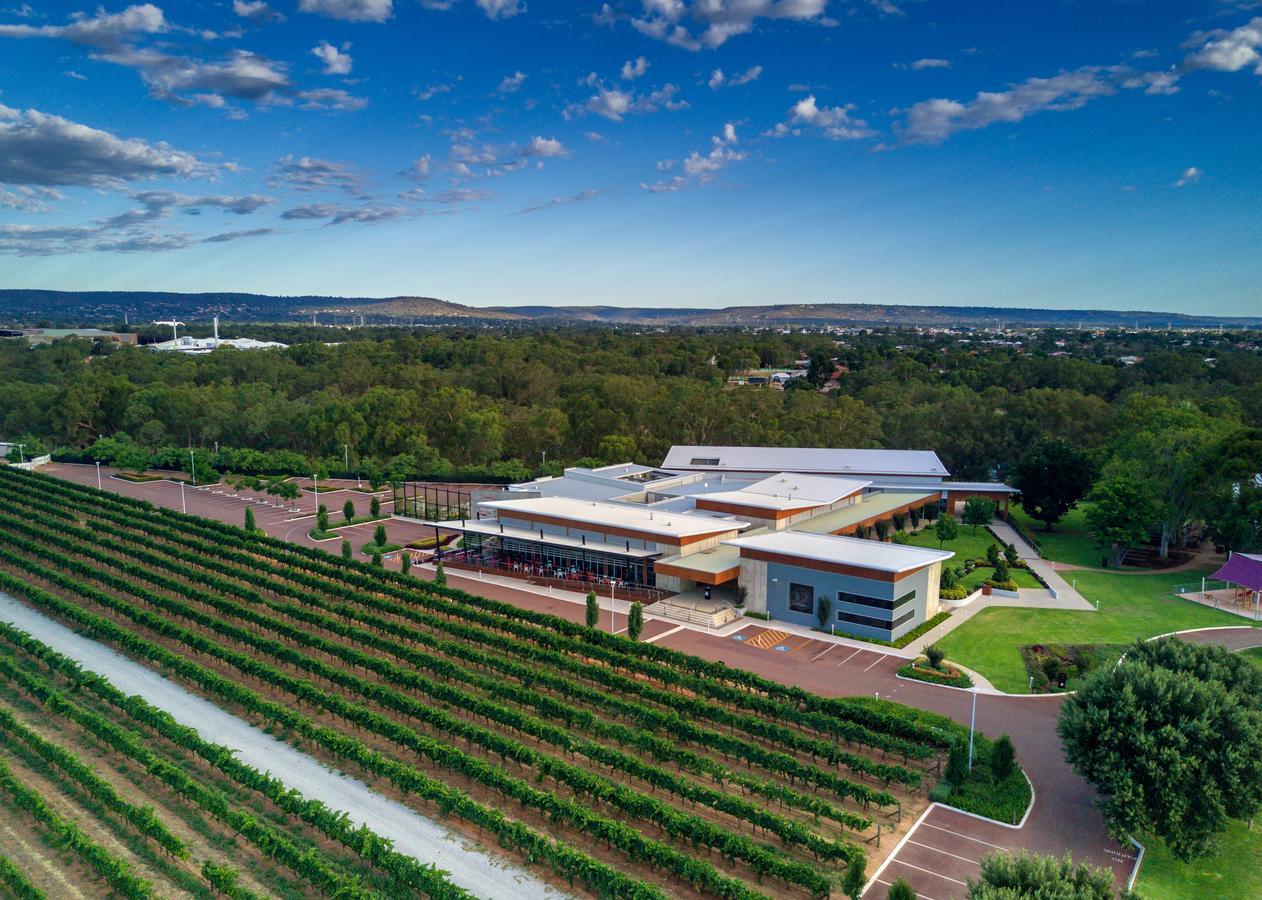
{"x":1244,"y":569}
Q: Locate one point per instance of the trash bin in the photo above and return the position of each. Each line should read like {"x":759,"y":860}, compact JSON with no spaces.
{"x":706,"y":591}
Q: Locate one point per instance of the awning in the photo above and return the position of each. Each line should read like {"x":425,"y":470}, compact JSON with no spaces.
{"x":1244,"y":569}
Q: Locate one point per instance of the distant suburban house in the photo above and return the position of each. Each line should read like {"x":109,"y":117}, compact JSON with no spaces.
{"x":35,"y":336}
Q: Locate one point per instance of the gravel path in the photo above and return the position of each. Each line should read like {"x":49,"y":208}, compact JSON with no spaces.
{"x":411,"y":832}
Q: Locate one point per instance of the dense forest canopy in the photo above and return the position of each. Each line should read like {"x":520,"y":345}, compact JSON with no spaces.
{"x":403,"y":402}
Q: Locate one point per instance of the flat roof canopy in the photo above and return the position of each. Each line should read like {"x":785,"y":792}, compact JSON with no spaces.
{"x":492,"y":528}
{"x":629,"y":516}
{"x":846,"y":551}
{"x":789,"y":490}
{"x":808,"y":460}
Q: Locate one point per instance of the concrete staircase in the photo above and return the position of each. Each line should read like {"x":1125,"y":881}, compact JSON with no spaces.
{"x":710,"y":613}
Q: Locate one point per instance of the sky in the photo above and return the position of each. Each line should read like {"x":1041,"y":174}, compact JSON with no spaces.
{"x":1064,"y":154}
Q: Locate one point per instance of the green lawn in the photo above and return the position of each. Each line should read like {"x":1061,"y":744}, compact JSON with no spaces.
{"x":968,"y":545}
{"x":1131,"y":607}
{"x":1069,"y":542}
{"x":1254,"y":655}
{"x":1231,"y":872}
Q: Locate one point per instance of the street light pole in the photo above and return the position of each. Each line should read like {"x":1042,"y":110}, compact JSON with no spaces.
{"x":971,"y":722}
{"x":22,"y":453}
{"x":183,"y":505}
{"x":192,"y":464}
{"x":315,"y":486}
{"x":98,"y":475}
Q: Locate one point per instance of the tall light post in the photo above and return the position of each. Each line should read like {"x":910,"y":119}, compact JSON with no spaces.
{"x":613,"y":610}
{"x":98,"y":475}
{"x":315,"y":487}
{"x":22,"y":453}
{"x":192,"y":465}
{"x":183,"y":505}
{"x":972,"y":722}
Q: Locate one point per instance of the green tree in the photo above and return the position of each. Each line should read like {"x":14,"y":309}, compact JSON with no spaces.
{"x":956,"y":771}
{"x":376,"y":558}
{"x":992,"y":555}
{"x":322,"y":519}
{"x":854,"y":881}
{"x":1052,"y":478}
{"x":900,"y":890}
{"x":1002,"y":574}
{"x":249,"y":521}
{"x":819,"y":369}
{"x":882,"y":529}
{"x":635,"y":620}
{"x":593,"y":610}
{"x":1008,"y":876}
{"x":1003,"y":758}
{"x":374,"y":506}
{"x":823,"y":609}
{"x":978,"y":511}
{"x":1171,"y":737}
{"x":348,"y":510}
{"x":379,"y":536}
{"x":440,"y":575}
{"x":1121,"y":512}
{"x":946,"y":529}
{"x":405,"y":563}
{"x":346,"y":549}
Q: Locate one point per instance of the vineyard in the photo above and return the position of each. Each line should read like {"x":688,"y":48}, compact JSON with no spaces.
{"x":611,"y":768}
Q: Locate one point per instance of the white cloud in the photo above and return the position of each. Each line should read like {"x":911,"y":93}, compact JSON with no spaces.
{"x":718,"y":79}
{"x":226,"y":236}
{"x":334,"y":99}
{"x":836,"y":122}
{"x":1228,"y":51}
{"x":700,"y":168}
{"x":512,"y":82}
{"x":420,"y":168}
{"x":337,"y":214}
{"x":350,"y":10}
{"x":933,"y":121}
{"x":457,"y":196}
{"x":433,"y":90}
{"x":717,"y":20}
{"x":614,"y":103}
{"x":593,"y":136}
{"x":257,"y":11}
{"x":634,"y":68}
{"x":544,"y":147}
{"x":41,"y":149}
{"x":27,"y":198}
{"x":336,"y":61}
{"x":308,"y":173}
{"x":1191,"y":175}
{"x":500,"y":9}
{"x":559,"y":201}
{"x":102,"y":30}
{"x":929,"y":63}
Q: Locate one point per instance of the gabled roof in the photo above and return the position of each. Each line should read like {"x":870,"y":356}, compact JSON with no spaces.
{"x":634,"y":517}
{"x":807,"y":460}
{"x":847,"y":551}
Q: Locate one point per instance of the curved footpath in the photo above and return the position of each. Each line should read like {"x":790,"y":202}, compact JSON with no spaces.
{"x":412,"y":833}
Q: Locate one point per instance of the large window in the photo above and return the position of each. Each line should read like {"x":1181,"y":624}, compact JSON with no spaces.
{"x":801,"y":598}
{"x":876,"y":623}
{"x":875,"y":602}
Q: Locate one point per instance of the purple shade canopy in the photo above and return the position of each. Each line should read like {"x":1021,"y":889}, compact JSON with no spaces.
{"x":1244,"y":569}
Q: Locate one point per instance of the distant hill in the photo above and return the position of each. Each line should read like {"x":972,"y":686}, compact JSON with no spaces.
{"x":96,"y":307}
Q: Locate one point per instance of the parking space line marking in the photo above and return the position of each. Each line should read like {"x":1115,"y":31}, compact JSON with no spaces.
{"x":664,"y":634}
{"x":850,"y":657}
{"x":826,"y":649}
{"x":928,"y":872}
{"x":878,"y":659}
{"x":919,"y":895}
{"x":965,"y":836}
{"x":945,"y":853}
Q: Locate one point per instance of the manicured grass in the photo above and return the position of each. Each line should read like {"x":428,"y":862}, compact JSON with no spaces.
{"x":1231,"y":872}
{"x":1069,"y":542}
{"x":369,"y":548}
{"x":974,"y":579}
{"x":1131,"y":607}
{"x":1254,"y":655}
{"x":966,"y":545}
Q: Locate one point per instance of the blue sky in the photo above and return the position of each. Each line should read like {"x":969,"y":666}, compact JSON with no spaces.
{"x":643,"y":152}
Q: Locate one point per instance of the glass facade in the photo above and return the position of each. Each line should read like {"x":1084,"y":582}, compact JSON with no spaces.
{"x":558,"y":562}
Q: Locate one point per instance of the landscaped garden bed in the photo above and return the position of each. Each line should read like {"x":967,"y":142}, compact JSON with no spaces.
{"x":995,"y":787}
{"x":947,"y":675}
{"x":1046,"y":663}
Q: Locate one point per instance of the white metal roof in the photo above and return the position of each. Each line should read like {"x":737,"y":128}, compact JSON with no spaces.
{"x":619,"y":515}
{"x":810,"y":460}
{"x":789,"y":490}
{"x":492,"y":528}
{"x":845,"y":550}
